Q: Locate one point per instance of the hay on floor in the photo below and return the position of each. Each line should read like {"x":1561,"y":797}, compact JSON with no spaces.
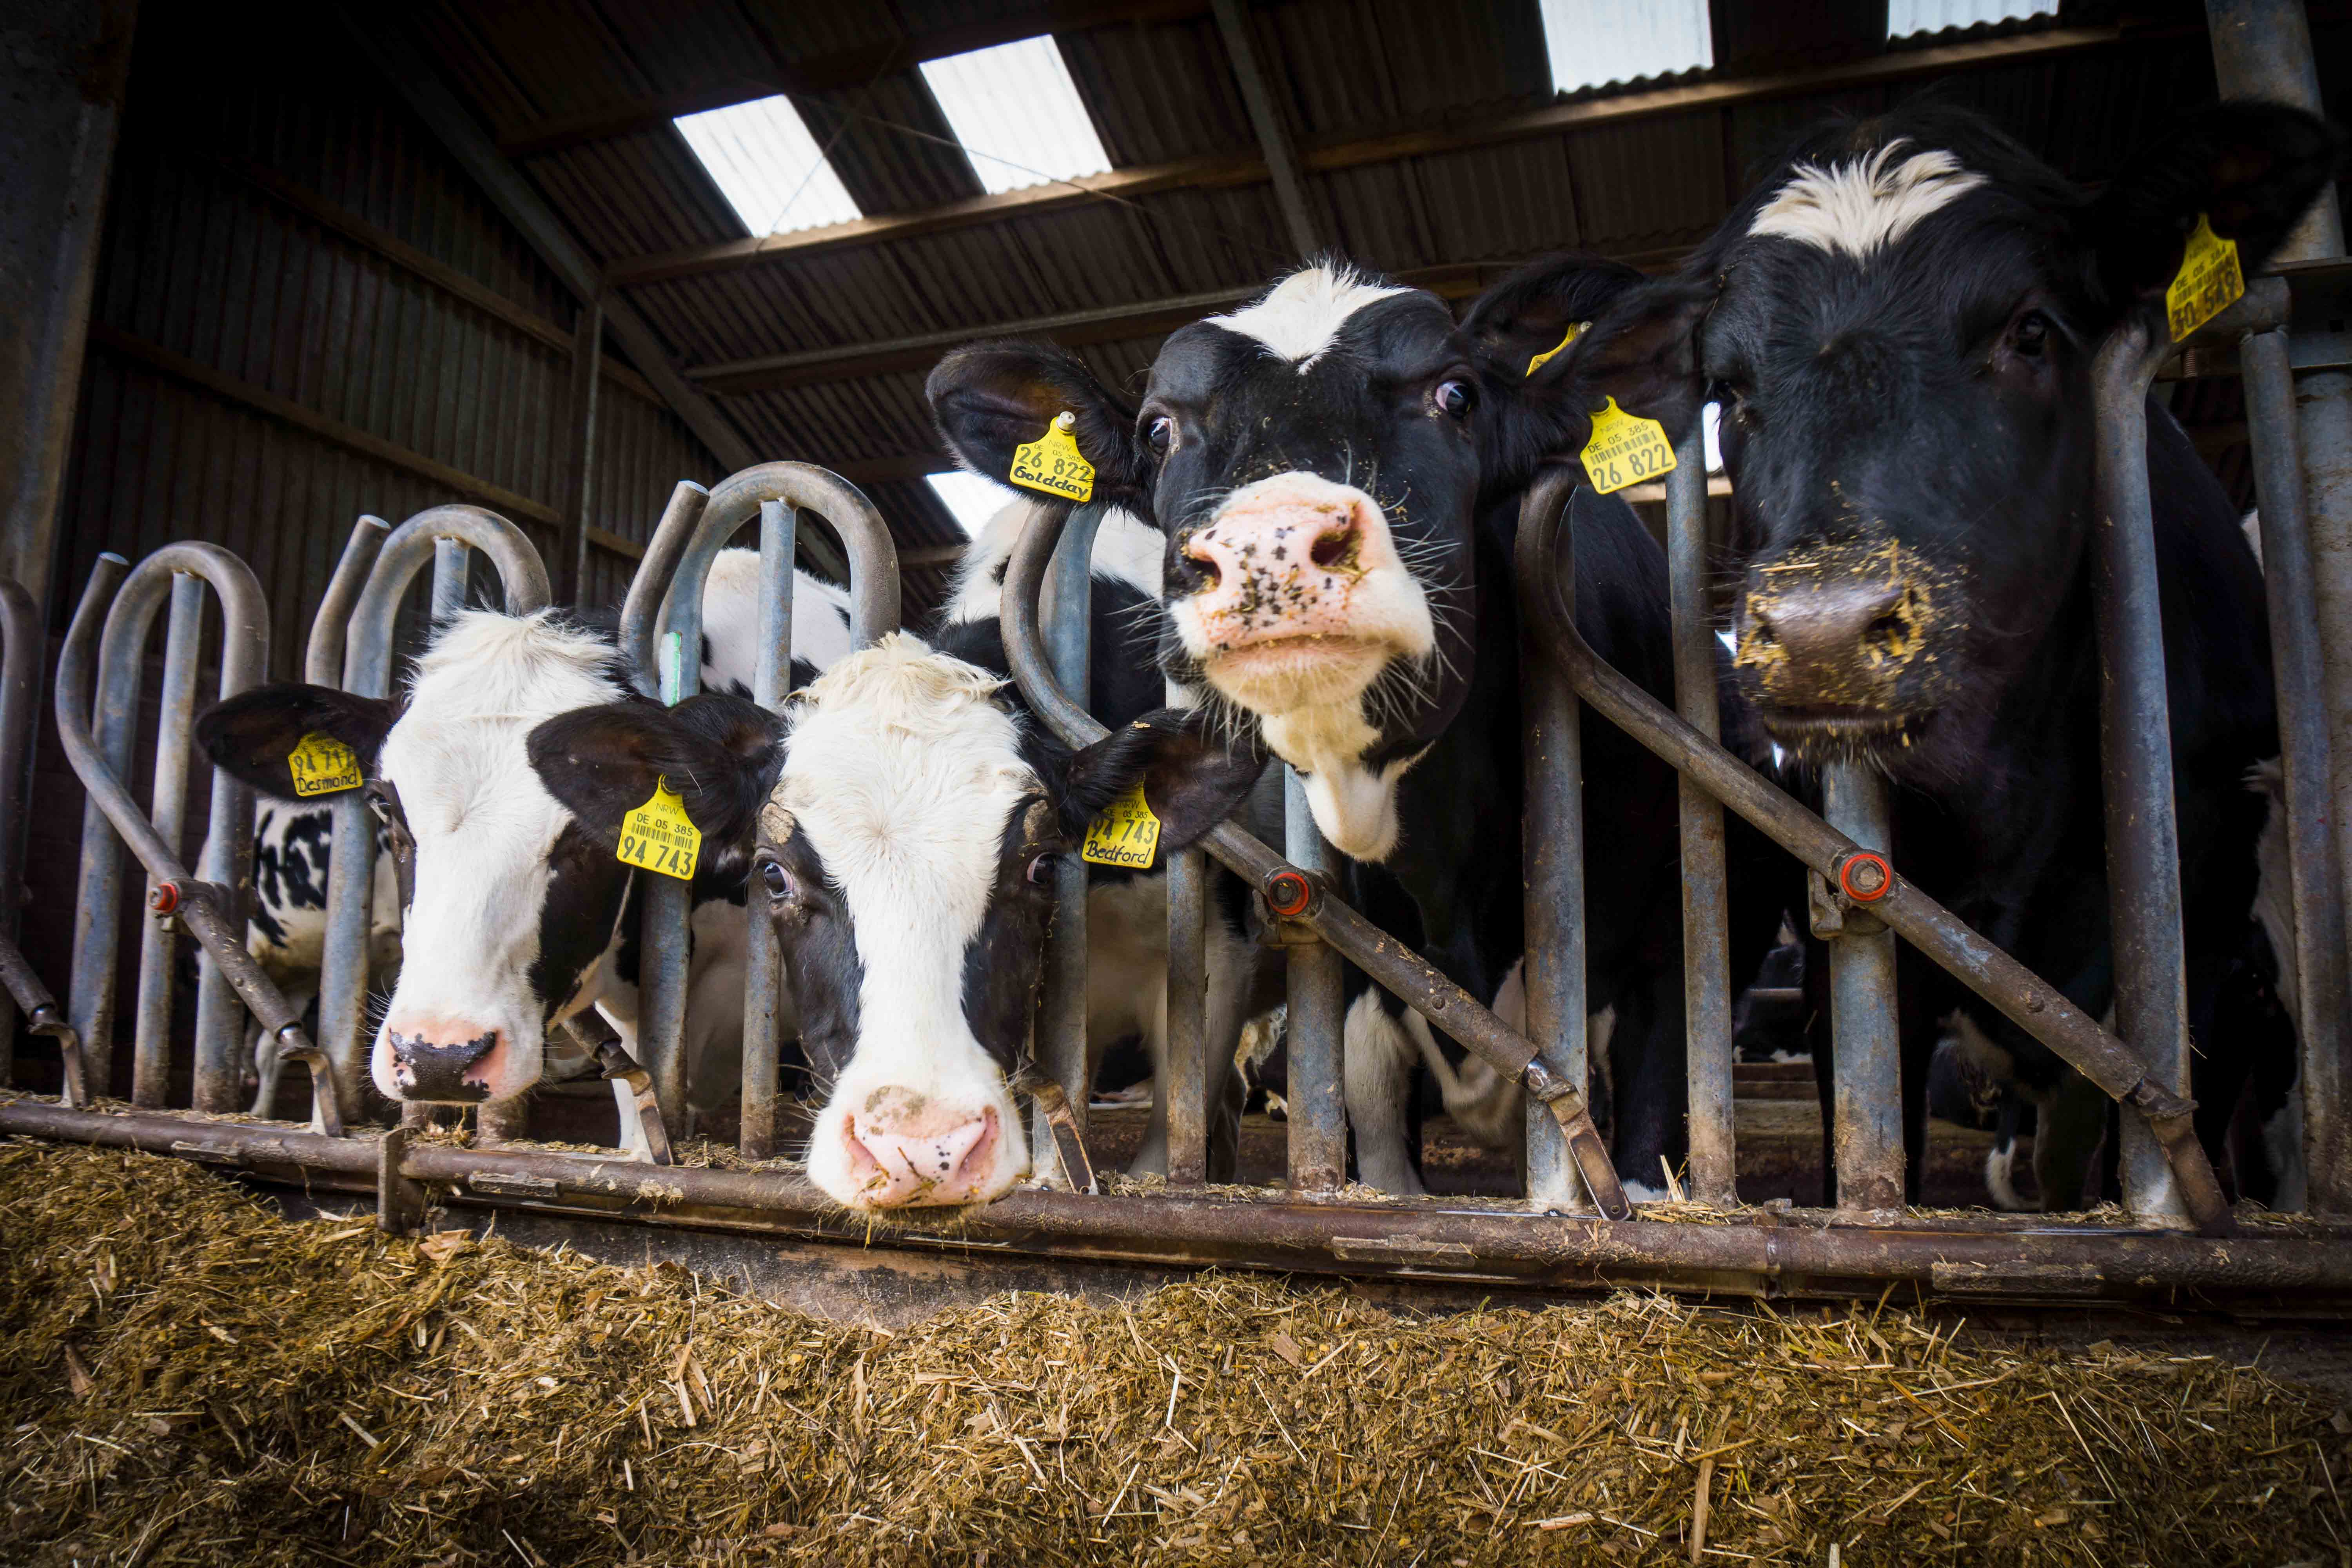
{"x":186,"y":1378}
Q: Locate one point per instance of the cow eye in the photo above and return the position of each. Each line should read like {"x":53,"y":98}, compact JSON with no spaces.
{"x":1040,"y":871}
{"x":2031,"y":334}
{"x":1455,"y":398}
{"x":779,"y":881}
{"x":1158,"y":434}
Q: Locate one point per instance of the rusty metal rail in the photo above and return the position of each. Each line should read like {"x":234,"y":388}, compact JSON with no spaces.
{"x":22,"y":649}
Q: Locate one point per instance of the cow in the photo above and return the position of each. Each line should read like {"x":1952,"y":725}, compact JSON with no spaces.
{"x":1338,"y":468}
{"x":1899,"y":324}
{"x":905,"y":820}
{"x":513,"y":916}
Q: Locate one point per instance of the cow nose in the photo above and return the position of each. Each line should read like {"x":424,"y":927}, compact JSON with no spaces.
{"x":906,"y":1161}
{"x":1282,"y":559}
{"x":1834,"y":638}
{"x":443,"y":1061}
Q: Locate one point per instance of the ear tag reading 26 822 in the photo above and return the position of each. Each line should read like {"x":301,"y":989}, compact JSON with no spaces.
{"x":1575,"y":330}
{"x":1127,"y":834}
{"x":1052,"y":463}
{"x":2209,"y":282}
{"x":322,"y":765}
{"x":660,"y":836}
{"x":1625,"y":449}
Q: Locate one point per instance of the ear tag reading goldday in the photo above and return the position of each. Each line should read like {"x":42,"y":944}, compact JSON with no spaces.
{"x":322,"y":765}
{"x":660,"y":836}
{"x":1052,"y":463}
{"x":2209,"y":282}
{"x":1575,"y":330}
{"x":1127,"y":834}
{"x":1625,"y":449}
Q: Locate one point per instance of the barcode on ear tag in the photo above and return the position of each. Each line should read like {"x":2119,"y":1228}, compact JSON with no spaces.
{"x":2210,"y":281}
{"x":322,"y":765}
{"x":1052,"y":463}
{"x":1575,"y":330}
{"x":659,"y":837}
{"x":1625,"y":449}
{"x":1127,"y":834}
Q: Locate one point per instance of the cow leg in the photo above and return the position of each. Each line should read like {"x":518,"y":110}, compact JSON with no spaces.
{"x":1376,"y":1062}
{"x":1653,"y":1136}
{"x":2000,"y":1162}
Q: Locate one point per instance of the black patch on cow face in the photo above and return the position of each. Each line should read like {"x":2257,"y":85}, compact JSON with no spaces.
{"x":585,"y":886}
{"x":818,"y":938}
{"x":1003,"y":964}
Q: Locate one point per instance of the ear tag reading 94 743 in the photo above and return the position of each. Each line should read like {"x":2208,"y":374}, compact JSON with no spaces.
{"x":1575,"y":330}
{"x":322,"y":765}
{"x":1127,"y":834}
{"x":660,"y":836}
{"x":1625,"y":449}
{"x":2209,"y":283}
{"x":1052,"y":463}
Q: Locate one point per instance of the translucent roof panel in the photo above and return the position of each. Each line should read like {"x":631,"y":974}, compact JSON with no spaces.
{"x":1592,"y":42}
{"x":768,"y":166}
{"x":1904,"y":17}
{"x":1017,"y":113}
{"x":970,"y":499}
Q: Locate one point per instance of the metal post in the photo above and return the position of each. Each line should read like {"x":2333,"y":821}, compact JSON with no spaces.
{"x":1706,"y":964}
{"x":1061,"y":1049}
{"x":452,"y":561}
{"x":1553,"y":832}
{"x":1318,"y":1121}
{"x":351,"y":860}
{"x":772,"y":680}
{"x":98,"y":890}
{"x":1867,"y":1094}
{"x":587,"y":378}
{"x":22,"y":649}
{"x":1186,"y":1082}
{"x":151,"y":1028}
{"x":2136,"y":744}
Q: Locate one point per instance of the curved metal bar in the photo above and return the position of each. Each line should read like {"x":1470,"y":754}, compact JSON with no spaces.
{"x":1389,"y":963}
{"x":22,"y":650}
{"x":650,"y":585}
{"x":367,"y":660}
{"x":322,"y":660}
{"x":2040,"y":1009}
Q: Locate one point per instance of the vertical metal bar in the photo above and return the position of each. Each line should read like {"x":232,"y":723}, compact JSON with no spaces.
{"x":1867,"y":1095}
{"x":1189,"y":1071}
{"x":665,"y":942}
{"x":771,"y":680}
{"x":2136,"y":744}
{"x":1318,"y":1117}
{"x":151,"y":1037}
{"x":1553,"y":763}
{"x":580,"y":415}
{"x":20,"y":675}
{"x":350,"y":863}
{"x":228,"y":860}
{"x":2295,"y":659}
{"x":1706,"y":978}
{"x":98,"y":893}
{"x":1061,"y":1050}
{"x":452,"y":561}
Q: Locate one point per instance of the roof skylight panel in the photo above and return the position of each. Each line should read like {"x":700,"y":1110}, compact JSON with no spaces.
{"x":1904,"y":17}
{"x":1017,"y":113}
{"x":768,"y":166}
{"x":1592,"y":42}
{"x":971,"y":500}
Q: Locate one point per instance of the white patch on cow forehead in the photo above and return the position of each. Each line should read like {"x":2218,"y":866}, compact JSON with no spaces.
{"x":1299,"y":316}
{"x":478,"y":692}
{"x":1859,"y":205}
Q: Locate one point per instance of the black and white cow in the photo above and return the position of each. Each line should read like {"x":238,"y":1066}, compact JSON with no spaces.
{"x":1899,"y":325}
{"x":906,"y":818}
{"x":514,"y":914}
{"x":1339,"y":468}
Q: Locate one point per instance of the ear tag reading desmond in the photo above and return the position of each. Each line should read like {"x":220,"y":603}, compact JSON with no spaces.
{"x":660,"y":836}
{"x":1625,"y":449}
{"x":1575,"y":330}
{"x":1127,"y":834}
{"x":1052,"y":463}
{"x":2210,"y":281}
{"x":322,"y":765}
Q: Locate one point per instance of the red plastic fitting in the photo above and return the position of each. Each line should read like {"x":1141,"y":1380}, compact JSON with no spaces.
{"x":1865,"y":877}
{"x":165,"y":899}
{"x":1288,"y":892}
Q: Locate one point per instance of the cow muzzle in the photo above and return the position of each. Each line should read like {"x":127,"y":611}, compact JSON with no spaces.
{"x":444,"y":1063}
{"x":1839,"y":643}
{"x":910,"y":1150}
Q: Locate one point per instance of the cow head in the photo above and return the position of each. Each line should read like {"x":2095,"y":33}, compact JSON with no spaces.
{"x":904,"y":820}
{"x":1899,"y":326}
{"x":510,"y":906}
{"x":1317,"y":462}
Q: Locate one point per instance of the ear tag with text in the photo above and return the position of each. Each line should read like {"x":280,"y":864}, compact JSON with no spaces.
{"x":1052,"y":463}
{"x":1625,"y":449}
{"x":2210,"y":281}
{"x":1575,"y":330}
{"x":1127,"y":834}
{"x":322,"y":765}
{"x":660,"y":836}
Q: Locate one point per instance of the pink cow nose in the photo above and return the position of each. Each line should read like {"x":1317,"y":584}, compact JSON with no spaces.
{"x":1282,"y":559}
{"x":909,"y":1155}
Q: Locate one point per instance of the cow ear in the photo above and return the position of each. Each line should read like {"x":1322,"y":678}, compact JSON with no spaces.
{"x":1191,"y":781}
{"x":721,"y":753}
{"x":251,"y":735}
{"x":991,"y":398}
{"x":1531,"y":314}
{"x":2251,"y":170}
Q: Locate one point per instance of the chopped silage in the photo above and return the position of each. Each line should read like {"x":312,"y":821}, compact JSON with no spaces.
{"x":186,"y":1377}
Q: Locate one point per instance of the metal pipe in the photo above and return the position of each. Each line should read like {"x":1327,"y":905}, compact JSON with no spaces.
{"x":764,"y":962}
{"x":1552,"y":760}
{"x":1061,"y":1037}
{"x":452,"y":562}
{"x":24,"y":991}
{"x":2024,"y":997}
{"x":1865,"y":1021}
{"x":22,"y":652}
{"x":97,"y":888}
{"x":652,"y":579}
{"x":322,"y":655}
{"x":1186,"y":1081}
{"x":1273,"y":131}
{"x":1319,"y":1119}
{"x":1706,"y":967}
{"x":351,"y":878}
{"x":151,"y":1039}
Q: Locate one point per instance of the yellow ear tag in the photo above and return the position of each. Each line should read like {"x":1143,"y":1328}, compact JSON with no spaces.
{"x":660,"y":836}
{"x":1126,"y":834}
{"x":1575,"y":330}
{"x":1625,"y":449}
{"x":2210,"y":281}
{"x":322,"y":765}
{"x":1052,"y":463}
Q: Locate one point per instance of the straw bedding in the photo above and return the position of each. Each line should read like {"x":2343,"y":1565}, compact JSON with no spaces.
{"x":186,"y":1377}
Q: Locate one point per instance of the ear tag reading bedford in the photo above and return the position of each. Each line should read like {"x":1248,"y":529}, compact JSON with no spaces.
{"x":322,"y":765}
{"x":1625,"y":449}
{"x":660,"y":836}
{"x":1052,"y":463}
{"x":1575,"y":330}
{"x":2210,"y":281}
{"x":1127,"y":834}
